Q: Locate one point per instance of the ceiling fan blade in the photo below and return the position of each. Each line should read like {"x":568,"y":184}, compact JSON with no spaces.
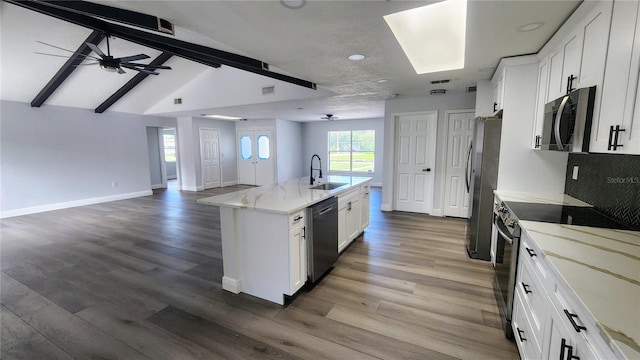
{"x":150,"y":72}
{"x":95,"y":49}
{"x":90,"y":63}
{"x":133,"y":58}
{"x":65,"y":56}
{"x":148,"y":66}
{"x":120,"y":71}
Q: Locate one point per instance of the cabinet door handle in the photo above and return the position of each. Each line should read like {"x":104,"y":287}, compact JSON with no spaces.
{"x":520,"y":333}
{"x":537,"y":141}
{"x":531,"y":252}
{"x":349,"y":206}
{"x":304,"y":232}
{"x":427,"y":169}
{"x":525,"y":287}
{"x":570,"y":356}
{"x":495,"y":106}
{"x":570,"y":83}
{"x":297,"y":218}
{"x":614,"y":133}
{"x":573,"y":322}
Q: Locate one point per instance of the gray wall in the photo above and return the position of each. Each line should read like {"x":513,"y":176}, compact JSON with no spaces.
{"x":288,"y":150}
{"x":400,"y":106}
{"x":315,"y":141}
{"x":153,"y":147}
{"x":55,"y":154}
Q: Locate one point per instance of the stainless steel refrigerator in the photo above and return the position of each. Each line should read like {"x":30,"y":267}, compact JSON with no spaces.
{"x":481,"y":179}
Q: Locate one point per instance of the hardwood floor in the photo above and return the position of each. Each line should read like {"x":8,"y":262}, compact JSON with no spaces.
{"x":141,"y":279}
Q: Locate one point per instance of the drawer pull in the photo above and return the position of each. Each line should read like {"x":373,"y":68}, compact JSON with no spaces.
{"x":531,"y":252}
{"x":525,"y":287}
{"x":573,"y":322}
{"x":570,"y":356}
{"x":520,"y":332}
{"x":297,"y":218}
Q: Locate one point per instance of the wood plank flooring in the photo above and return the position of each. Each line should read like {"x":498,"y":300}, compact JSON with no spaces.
{"x":141,"y":279}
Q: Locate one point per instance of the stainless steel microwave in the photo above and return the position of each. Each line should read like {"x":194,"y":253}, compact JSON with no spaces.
{"x":567,"y":121}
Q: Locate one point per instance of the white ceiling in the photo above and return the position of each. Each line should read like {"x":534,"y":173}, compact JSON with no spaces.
{"x":311,"y":43}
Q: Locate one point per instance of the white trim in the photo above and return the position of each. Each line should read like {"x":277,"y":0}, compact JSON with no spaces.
{"x":70,"y":204}
{"x":200,"y":188}
{"x":230,"y":183}
{"x":436,"y":212}
{"x":158,"y":186}
{"x":376,"y":184}
{"x":163,"y":165}
{"x":231,"y":285}
{"x":189,"y":188}
{"x":386,"y":207}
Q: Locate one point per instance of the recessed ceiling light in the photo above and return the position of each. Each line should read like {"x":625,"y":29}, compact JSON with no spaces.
{"x":531,"y":27}
{"x":356,"y":57}
{"x":222,"y":117}
{"x":487,"y":69}
{"x":293,"y":4}
{"x":432,"y":36}
{"x":382,"y":81}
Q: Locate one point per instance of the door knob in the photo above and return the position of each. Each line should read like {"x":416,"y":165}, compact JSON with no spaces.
{"x":427,"y":169}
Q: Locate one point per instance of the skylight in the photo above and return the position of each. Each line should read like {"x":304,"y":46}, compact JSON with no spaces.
{"x":432,"y":36}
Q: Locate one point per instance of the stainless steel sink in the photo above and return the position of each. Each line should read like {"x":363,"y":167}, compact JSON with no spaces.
{"x":327,"y":186}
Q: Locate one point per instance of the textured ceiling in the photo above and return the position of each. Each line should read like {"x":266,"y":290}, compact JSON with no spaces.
{"x":311,"y":43}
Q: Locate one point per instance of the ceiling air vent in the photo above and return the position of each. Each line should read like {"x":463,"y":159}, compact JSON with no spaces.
{"x":440,"y":81}
{"x":438,"y":92}
{"x":177,"y":101}
{"x":268,"y":90}
{"x":472,"y":88}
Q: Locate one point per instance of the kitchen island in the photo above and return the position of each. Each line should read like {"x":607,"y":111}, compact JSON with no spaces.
{"x":264,"y":249}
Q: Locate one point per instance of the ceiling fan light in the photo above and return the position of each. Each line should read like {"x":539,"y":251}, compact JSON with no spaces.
{"x":109,"y":68}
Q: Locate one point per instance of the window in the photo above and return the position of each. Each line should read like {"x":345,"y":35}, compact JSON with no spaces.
{"x":352,"y":151}
{"x":246,"y":148}
{"x":263,"y":147}
{"x":169,"y":142}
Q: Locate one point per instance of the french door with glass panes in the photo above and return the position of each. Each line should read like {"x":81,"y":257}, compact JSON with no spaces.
{"x":256,"y":162}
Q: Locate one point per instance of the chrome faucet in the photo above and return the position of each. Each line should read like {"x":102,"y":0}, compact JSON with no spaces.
{"x":311,"y":178}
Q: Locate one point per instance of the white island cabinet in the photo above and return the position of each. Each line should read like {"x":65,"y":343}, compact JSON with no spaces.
{"x":263,"y":230}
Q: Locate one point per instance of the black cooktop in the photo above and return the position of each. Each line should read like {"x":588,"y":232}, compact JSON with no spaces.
{"x":562,"y":214}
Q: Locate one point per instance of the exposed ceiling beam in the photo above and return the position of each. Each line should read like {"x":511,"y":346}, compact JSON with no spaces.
{"x":68,"y":67}
{"x":198,"y":53}
{"x":161,"y":59}
{"x":128,"y":17}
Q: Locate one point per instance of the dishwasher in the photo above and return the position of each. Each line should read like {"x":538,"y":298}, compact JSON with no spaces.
{"x":322,"y":237}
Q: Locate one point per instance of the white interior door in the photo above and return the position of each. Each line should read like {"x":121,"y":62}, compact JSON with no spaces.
{"x":210,"y":158}
{"x":415,"y":161}
{"x":456,"y":199}
{"x":246,"y":166}
{"x":265,"y":169}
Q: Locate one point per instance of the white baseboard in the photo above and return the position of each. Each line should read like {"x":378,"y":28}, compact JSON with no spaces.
{"x":158,"y":186}
{"x":199,"y":188}
{"x":436,"y":212}
{"x":385,"y":207}
{"x":189,"y":188}
{"x":230,"y":183}
{"x":70,"y":204}
{"x":231,"y":285}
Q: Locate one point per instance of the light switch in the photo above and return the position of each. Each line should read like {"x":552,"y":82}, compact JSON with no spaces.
{"x":575,"y":173}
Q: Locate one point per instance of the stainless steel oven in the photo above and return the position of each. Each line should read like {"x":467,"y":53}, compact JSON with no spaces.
{"x":507,"y":247}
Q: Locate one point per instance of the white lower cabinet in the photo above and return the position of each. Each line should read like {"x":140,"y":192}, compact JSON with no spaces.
{"x":549,"y":321}
{"x":297,"y":252}
{"x":353,"y":215}
{"x":365,"y":203}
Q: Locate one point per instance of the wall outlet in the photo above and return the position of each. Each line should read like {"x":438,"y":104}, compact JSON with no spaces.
{"x":574,"y":176}
{"x":114,"y":184}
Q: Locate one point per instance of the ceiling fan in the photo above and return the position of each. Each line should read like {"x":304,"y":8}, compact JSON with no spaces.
{"x":329,"y":117}
{"x":110,"y":63}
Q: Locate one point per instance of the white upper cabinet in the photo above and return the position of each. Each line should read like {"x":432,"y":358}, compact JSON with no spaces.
{"x":498,"y":89}
{"x":617,"y":128}
{"x":575,"y":57}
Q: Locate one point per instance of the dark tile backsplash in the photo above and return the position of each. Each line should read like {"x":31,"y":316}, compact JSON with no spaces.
{"x":611,"y":183}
